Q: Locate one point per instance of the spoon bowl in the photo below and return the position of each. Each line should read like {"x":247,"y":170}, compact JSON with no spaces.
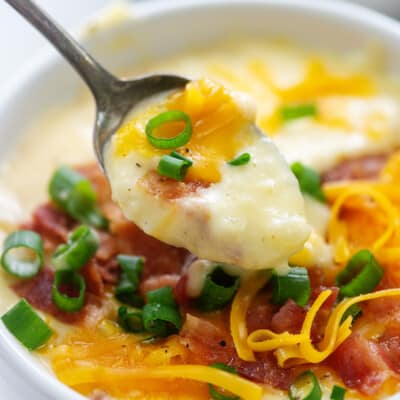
{"x":114,"y":98}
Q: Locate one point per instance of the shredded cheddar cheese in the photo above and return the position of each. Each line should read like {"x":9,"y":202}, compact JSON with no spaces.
{"x":293,"y":349}
{"x":242,"y":301}
{"x":241,"y":387}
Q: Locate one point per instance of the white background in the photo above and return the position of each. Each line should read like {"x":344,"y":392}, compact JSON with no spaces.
{"x":19,"y":43}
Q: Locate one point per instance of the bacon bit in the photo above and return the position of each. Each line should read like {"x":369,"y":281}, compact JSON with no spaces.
{"x":37,"y":291}
{"x":266,"y":370}
{"x":51,"y":223}
{"x":366,"y":167}
{"x":260,"y":313}
{"x":160,"y":258}
{"x":93,"y":279}
{"x":180,"y":293}
{"x":157,"y":282}
{"x":359,"y":363}
{"x":389,"y":345}
{"x":289,"y":318}
{"x":167,"y":188}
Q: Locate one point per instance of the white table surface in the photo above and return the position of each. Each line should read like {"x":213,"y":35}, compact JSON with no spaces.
{"x":18,"y":44}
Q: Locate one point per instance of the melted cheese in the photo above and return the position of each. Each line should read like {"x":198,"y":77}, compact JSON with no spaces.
{"x":251,"y":216}
{"x":316,"y":251}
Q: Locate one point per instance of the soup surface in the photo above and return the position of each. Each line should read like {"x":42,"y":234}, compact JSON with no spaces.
{"x":338,"y":116}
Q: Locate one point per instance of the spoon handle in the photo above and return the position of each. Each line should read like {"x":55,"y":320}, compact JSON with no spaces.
{"x":99,"y":80}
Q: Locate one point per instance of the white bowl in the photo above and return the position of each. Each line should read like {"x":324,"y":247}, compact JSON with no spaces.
{"x":157,"y":29}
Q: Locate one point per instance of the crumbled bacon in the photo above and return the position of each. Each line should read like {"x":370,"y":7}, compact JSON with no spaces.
{"x":359,"y":363}
{"x":37,"y":291}
{"x":365,"y":167}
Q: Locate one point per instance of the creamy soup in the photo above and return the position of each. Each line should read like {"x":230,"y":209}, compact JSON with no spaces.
{"x":315,"y":108}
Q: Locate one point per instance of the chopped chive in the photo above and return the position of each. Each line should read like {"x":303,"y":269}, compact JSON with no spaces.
{"x":242,"y":159}
{"x":81,"y":246}
{"x":218,"y":290}
{"x":361,"y":275}
{"x":160,"y":319}
{"x":291,"y":112}
{"x":75,"y":195}
{"x":26,"y":325}
{"x":68,"y":279}
{"x":305,"y":387}
{"x":162,"y":295}
{"x":338,"y":393}
{"x":131,"y":271}
{"x":175,"y":154}
{"x":22,"y":254}
{"x":173,"y":167}
{"x":295,"y":285}
{"x":169,"y":143}
{"x":309,"y":181}
{"x":353,"y":311}
{"x":130,"y":321}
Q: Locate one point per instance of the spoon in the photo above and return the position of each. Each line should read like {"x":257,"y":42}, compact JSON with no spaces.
{"x":114,"y":97}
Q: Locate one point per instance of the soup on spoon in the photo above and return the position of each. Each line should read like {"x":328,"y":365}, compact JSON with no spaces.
{"x":191,"y":169}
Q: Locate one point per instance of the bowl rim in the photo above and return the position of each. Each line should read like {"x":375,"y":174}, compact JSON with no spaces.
{"x":20,"y":360}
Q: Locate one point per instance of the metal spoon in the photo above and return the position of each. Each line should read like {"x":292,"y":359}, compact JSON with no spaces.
{"x":114,"y":97}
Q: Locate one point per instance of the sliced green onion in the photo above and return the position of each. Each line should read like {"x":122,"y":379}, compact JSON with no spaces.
{"x":82,"y":245}
{"x":295,"y":285}
{"x":214,"y":393}
{"x":309,"y":181}
{"x":76,"y":196}
{"x":130,"y":321}
{"x":169,"y":143}
{"x":289,"y":113}
{"x":161,"y":320}
{"x":218,"y":290}
{"x":163,"y":295}
{"x":172,"y":167}
{"x":22,"y":254}
{"x":353,"y":311}
{"x":72,"y":280}
{"x":338,"y":393}
{"x":243,"y":159}
{"x":175,"y":154}
{"x":131,"y":271}
{"x":26,"y":325}
{"x":361,"y":275}
{"x":305,"y":387}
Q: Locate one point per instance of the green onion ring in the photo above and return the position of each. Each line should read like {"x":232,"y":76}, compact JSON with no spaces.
{"x":242,"y":159}
{"x":17,"y":266}
{"x":305,"y":387}
{"x":131,"y":271}
{"x":309,"y":181}
{"x":130,"y":321}
{"x":173,"y":167}
{"x":214,"y":393}
{"x":295,"y":285}
{"x":73,"y":193}
{"x":169,"y":143}
{"x":338,"y":393}
{"x":361,"y":275}
{"x":161,"y":320}
{"x":291,"y":112}
{"x":26,"y":325}
{"x":63,"y":301}
{"x":82,"y":245}
{"x":218,"y":290}
{"x":162,"y":295}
